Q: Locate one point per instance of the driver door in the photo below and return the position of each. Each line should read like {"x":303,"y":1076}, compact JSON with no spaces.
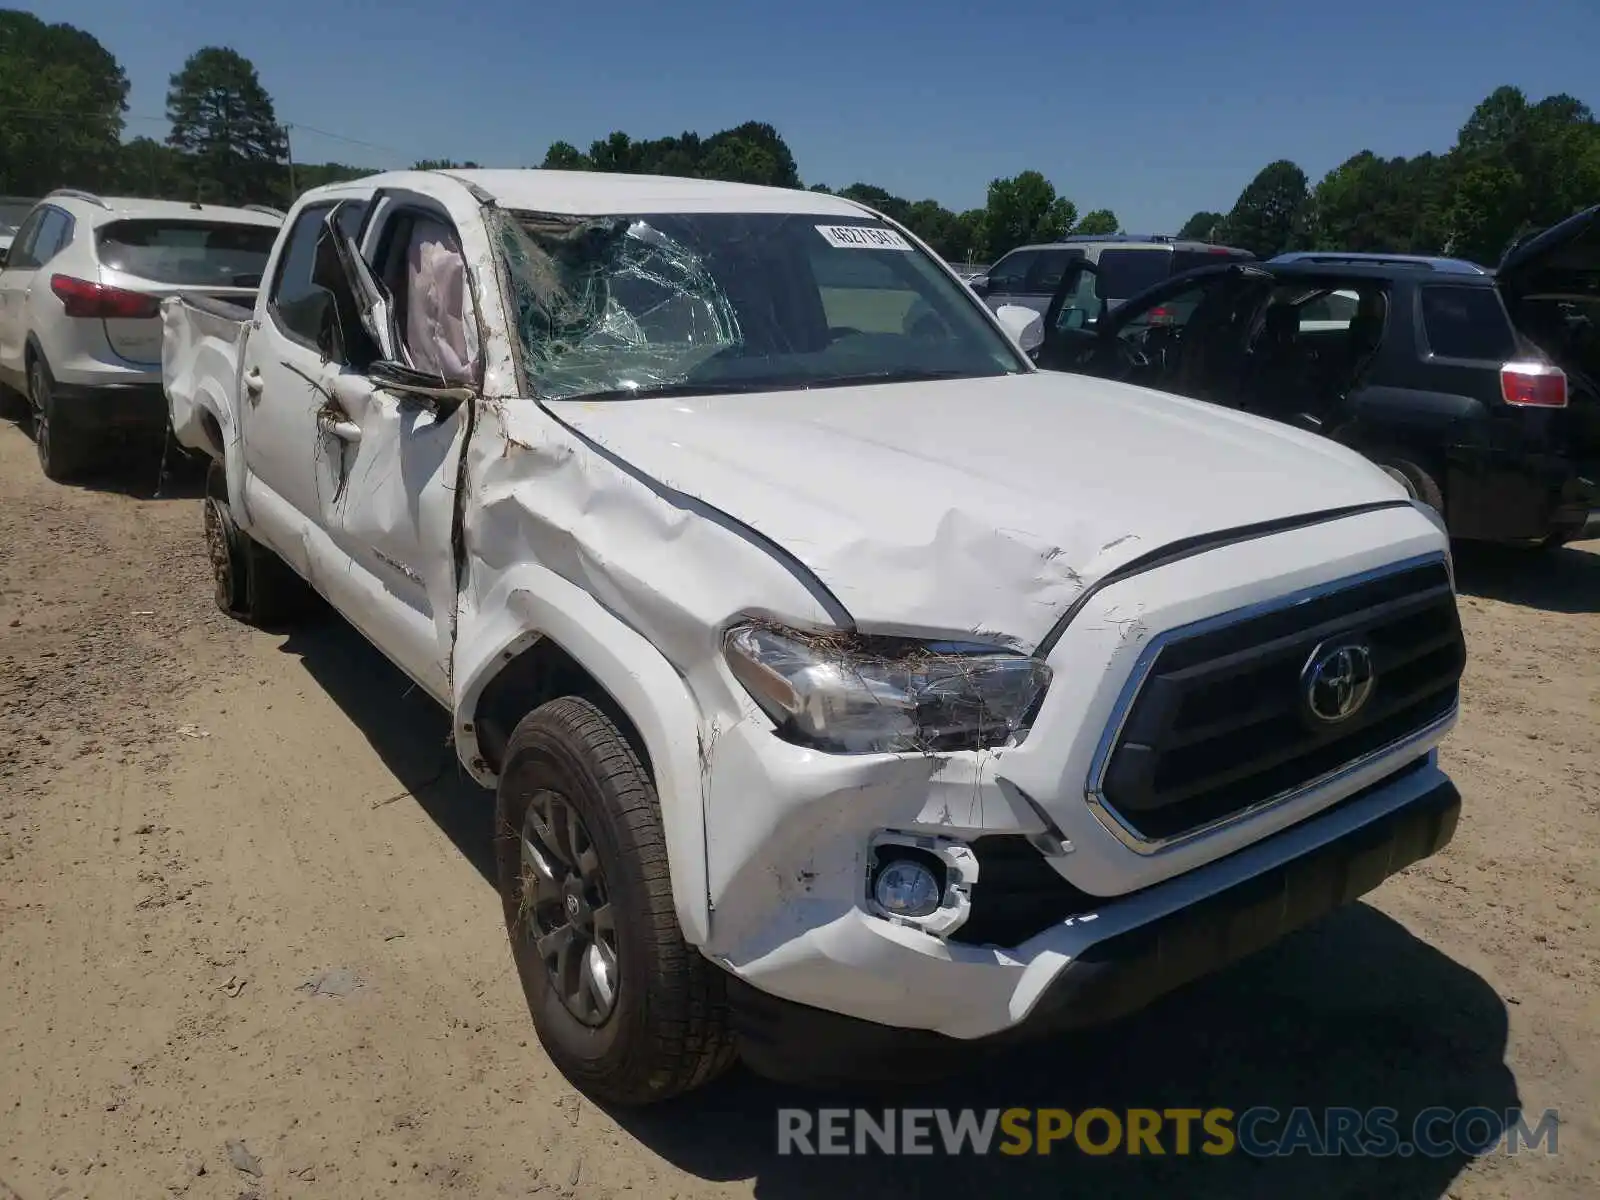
{"x":401,"y":424}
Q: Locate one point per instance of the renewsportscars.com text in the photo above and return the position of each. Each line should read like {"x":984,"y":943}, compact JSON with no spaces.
{"x":1258,"y":1132}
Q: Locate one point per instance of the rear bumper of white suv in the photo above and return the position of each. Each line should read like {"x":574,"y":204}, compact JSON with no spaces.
{"x":1066,"y":854}
{"x":109,"y":408}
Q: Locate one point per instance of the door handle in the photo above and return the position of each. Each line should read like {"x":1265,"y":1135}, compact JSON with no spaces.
{"x":253,"y":383}
{"x":345,"y":431}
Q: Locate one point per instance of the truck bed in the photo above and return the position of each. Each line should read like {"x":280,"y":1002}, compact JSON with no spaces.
{"x":201,"y":343}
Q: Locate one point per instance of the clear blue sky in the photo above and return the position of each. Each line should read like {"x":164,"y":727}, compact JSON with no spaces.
{"x":1152,"y":109}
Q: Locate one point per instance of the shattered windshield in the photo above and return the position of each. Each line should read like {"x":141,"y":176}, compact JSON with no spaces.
{"x":716,"y":302}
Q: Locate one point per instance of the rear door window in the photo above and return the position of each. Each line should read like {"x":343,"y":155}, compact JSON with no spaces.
{"x":42,"y":235}
{"x":54,"y":233}
{"x":1009,"y":274}
{"x":1126,"y":273}
{"x":301,"y":306}
{"x":1466,"y":322}
{"x":1331,"y":310}
{"x":188,"y":253}
{"x":1048,"y":268}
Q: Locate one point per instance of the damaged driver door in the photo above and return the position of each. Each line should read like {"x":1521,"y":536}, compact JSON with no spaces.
{"x":401,"y":432}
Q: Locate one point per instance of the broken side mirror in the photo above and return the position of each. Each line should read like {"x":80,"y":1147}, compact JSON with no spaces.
{"x":433,"y":392}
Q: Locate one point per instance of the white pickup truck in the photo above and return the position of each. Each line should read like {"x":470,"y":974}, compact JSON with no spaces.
{"x":852,"y":692}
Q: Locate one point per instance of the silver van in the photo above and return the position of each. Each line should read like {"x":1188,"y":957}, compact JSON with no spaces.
{"x":1126,"y":263}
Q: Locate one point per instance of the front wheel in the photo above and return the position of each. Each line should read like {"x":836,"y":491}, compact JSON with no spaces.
{"x":626,"y":1009}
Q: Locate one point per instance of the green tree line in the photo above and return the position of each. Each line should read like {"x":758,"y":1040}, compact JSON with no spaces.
{"x":1516,"y":165}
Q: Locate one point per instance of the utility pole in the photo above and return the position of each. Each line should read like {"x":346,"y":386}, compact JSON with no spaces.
{"x":288,"y":148}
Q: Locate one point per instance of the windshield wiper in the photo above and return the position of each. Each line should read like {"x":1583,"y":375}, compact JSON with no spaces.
{"x":769,"y":384}
{"x":903,"y":375}
{"x":669,"y":389}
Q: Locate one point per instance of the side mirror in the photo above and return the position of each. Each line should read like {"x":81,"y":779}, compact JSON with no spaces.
{"x":433,"y":392}
{"x":979,"y":284}
{"x":1023,"y":324}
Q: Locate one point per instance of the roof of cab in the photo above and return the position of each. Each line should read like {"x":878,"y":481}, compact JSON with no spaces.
{"x":602,"y":193}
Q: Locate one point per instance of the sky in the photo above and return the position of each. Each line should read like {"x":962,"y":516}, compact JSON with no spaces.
{"x":1154,"y":110}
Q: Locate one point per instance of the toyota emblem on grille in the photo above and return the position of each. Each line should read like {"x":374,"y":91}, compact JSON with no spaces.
{"x":1337,"y":680}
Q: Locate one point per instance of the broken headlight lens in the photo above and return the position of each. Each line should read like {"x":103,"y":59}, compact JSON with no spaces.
{"x":849,"y":695}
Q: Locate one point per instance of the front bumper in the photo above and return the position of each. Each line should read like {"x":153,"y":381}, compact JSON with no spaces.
{"x":1106,"y":964}
{"x":791,"y":833}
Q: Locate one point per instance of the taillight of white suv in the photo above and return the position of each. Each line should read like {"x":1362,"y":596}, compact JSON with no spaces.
{"x":83,"y":298}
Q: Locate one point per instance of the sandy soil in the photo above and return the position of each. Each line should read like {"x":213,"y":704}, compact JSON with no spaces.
{"x":244,"y":897}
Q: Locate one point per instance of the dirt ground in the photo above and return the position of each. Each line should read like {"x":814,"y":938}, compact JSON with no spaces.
{"x":245,"y":897}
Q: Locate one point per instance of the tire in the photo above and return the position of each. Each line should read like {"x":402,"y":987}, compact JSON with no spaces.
{"x":665,"y":1030}
{"x":61,"y":451}
{"x":250,"y":583}
{"x":1415,"y":479}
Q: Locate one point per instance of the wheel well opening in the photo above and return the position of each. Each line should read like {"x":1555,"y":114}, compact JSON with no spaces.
{"x":213,"y":432}
{"x":541,"y":673}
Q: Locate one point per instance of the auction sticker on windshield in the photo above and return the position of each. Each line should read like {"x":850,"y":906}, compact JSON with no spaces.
{"x":862,"y":237}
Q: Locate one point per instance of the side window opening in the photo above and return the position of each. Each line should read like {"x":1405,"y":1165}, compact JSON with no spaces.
{"x":1312,"y":345}
{"x":420,"y":263}
{"x":302,"y":303}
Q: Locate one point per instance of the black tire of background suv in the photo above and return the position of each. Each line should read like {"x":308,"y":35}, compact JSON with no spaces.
{"x":1421,"y":481}
{"x":669,"y":1032}
{"x":253,"y":584}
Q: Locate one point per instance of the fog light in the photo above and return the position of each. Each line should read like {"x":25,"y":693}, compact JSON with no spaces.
{"x":906,"y":888}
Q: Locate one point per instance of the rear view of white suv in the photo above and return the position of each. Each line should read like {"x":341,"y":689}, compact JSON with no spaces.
{"x":80,"y":309}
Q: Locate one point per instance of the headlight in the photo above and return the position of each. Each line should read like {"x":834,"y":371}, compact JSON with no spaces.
{"x":851,"y":695}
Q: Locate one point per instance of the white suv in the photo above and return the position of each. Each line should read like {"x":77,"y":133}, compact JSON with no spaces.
{"x":80,"y":308}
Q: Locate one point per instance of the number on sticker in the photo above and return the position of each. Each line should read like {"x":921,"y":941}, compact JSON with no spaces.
{"x":862,"y":237}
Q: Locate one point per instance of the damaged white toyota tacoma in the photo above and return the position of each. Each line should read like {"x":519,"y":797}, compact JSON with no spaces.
{"x":852,"y":692}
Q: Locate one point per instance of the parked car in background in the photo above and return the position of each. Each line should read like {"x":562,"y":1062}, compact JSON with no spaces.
{"x":12,"y":211}
{"x":1127,"y":264}
{"x":855,"y":694}
{"x":1480,"y":392}
{"x":80,"y":309}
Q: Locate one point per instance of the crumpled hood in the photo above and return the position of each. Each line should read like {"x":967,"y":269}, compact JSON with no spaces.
{"x":981,"y":505}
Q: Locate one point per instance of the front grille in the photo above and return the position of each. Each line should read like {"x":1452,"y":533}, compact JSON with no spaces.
{"x":1220,"y":724}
